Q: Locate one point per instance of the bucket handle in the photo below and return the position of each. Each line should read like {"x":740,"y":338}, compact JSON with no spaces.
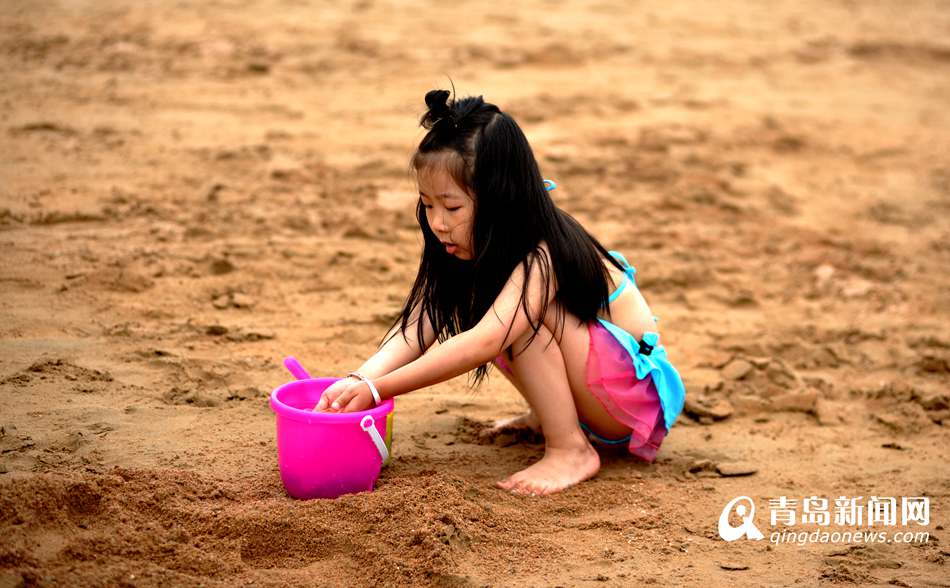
{"x":368,"y":424}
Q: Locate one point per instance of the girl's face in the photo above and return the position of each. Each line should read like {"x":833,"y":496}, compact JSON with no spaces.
{"x":450,"y":210}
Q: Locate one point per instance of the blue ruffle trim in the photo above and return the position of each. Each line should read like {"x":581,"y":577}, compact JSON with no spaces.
{"x":667,"y":380}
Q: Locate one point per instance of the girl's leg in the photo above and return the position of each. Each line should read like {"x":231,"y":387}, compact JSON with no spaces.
{"x":527,"y":420}
{"x":541,"y":375}
{"x":574,"y":345}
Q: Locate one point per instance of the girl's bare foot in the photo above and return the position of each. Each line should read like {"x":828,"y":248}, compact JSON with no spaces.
{"x":525,"y":422}
{"x":557,"y":470}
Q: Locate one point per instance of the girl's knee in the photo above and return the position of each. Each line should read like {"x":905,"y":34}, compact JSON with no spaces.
{"x":542,"y":341}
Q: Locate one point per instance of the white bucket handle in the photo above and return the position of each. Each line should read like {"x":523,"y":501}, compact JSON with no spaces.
{"x":368,"y":424}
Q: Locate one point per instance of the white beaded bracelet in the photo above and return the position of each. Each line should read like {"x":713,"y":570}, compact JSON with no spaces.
{"x":372,"y":386}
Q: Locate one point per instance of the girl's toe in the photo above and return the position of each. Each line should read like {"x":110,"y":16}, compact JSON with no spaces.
{"x":526,"y":489}
{"x":508,"y":483}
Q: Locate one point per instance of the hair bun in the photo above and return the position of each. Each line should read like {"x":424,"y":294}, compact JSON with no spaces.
{"x":439,"y":109}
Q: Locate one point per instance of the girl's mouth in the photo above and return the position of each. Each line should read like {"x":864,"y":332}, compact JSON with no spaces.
{"x":450,"y":248}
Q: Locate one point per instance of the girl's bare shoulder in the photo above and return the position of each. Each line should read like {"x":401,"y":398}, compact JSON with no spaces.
{"x":543,"y":245}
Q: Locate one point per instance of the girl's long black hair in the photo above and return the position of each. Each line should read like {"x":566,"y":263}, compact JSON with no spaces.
{"x":487,"y":153}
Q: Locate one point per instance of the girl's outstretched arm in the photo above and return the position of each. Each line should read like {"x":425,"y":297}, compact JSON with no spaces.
{"x":398,"y":349}
{"x":467,"y":350}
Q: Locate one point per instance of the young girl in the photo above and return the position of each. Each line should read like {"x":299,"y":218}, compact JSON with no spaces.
{"x":506,"y":277}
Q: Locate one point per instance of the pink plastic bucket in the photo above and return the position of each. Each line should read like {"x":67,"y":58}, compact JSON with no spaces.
{"x":325,"y":455}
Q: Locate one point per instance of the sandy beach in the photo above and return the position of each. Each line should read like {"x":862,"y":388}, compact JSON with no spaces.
{"x":191,"y":191}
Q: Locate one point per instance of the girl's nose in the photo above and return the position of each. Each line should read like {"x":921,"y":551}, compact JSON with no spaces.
{"x":438,"y":223}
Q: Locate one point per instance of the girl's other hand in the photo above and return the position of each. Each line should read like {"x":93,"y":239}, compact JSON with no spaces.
{"x":332,"y":393}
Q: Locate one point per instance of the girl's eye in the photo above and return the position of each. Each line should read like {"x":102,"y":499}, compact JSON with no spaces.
{"x":449,"y":209}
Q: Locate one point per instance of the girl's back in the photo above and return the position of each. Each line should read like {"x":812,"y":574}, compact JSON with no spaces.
{"x":630,"y":310}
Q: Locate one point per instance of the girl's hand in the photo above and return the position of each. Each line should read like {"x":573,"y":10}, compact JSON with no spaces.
{"x":354,"y":399}
{"x":333,"y":392}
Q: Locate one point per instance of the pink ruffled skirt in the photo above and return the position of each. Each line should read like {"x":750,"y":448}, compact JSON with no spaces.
{"x":612,"y":379}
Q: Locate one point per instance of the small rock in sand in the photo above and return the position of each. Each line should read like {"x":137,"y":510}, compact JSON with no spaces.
{"x":707,"y":468}
{"x":748,"y":403}
{"x":233,"y":300}
{"x":733,"y":566}
{"x":702,"y":465}
{"x":719,"y":359}
{"x":736,"y":468}
{"x":716,"y":409}
{"x":737,"y":369}
{"x":798,"y":401}
{"x":239,"y":300}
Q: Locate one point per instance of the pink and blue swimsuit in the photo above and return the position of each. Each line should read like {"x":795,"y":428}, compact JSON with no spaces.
{"x":633,"y":380}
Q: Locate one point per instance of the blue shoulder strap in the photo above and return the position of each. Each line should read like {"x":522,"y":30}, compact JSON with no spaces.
{"x":629,"y":271}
